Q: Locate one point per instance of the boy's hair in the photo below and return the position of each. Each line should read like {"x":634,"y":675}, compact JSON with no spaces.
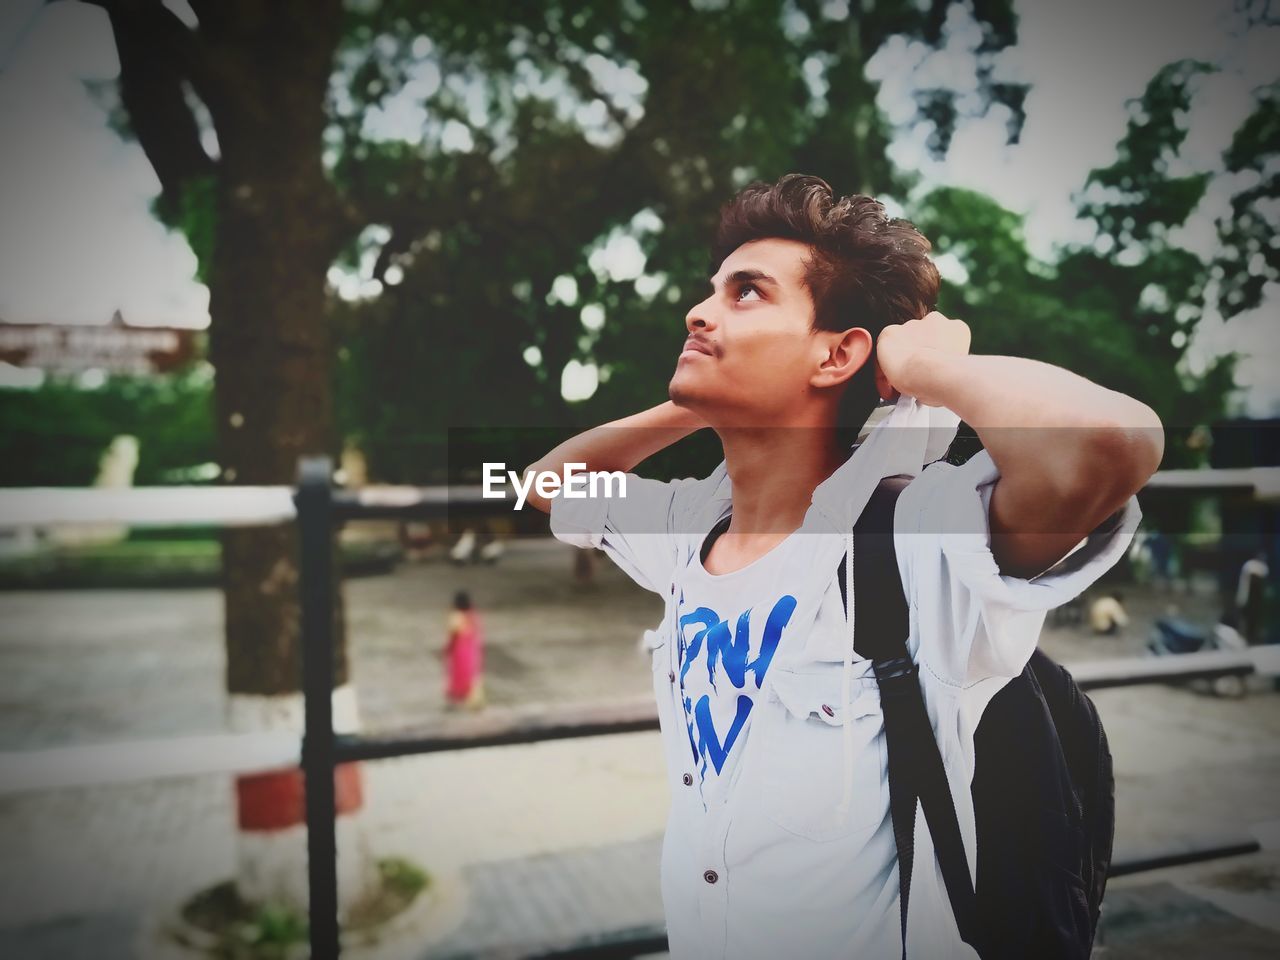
{"x":866,"y":269}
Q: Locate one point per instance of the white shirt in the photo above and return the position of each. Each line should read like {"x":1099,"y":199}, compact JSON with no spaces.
{"x":766,"y":863}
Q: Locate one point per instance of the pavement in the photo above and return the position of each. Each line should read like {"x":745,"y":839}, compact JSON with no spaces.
{"x":532,"y":845}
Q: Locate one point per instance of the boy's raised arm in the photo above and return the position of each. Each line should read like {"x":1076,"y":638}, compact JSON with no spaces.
{"x":617,"y":445}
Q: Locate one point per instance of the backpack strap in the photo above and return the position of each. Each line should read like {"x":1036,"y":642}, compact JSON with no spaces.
{"x":915,"y":767}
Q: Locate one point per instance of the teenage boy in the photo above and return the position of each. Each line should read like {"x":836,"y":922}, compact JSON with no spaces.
{"x":779,"y":841}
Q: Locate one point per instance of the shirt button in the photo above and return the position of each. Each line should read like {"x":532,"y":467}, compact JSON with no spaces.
{"x":828,"y":711}
{"x":711,"y":876}
{"x":671,"y":675}
{"x":688,"y":779}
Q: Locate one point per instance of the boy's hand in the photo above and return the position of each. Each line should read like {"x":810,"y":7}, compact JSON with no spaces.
{"x":900,"y":344}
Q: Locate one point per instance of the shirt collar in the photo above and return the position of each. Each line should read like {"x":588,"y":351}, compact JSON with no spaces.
{"x":904,"y":441}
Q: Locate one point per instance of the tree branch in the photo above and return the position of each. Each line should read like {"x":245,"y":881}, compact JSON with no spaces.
{"x":158,"y":54}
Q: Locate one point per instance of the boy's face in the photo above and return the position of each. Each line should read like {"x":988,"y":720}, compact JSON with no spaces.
{"x":751,"y":356}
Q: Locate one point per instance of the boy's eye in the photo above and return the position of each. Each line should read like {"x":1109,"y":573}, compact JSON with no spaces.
{"x":745,"y":288}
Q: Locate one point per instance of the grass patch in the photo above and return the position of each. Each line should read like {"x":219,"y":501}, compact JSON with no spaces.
{"x":244,"y":931}
{"x":156,"y":563}
{"x":129,"y":550}
{"x":402,"y":881}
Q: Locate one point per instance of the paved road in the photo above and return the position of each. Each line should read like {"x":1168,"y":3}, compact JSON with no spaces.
{"x":84,"y":869}
{"x":98,"y":666}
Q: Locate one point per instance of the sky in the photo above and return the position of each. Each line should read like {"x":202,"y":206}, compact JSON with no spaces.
{"x":77,"y":240}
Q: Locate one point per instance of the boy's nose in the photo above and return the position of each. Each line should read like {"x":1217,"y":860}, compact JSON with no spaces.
{"x":698,"y":318}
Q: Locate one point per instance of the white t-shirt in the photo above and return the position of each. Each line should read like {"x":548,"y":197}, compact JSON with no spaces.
{"x":728,"y":628}
{"x":760,"y":861}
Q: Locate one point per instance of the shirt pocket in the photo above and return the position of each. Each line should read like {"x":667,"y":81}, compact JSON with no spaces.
{"x":801,"y":760}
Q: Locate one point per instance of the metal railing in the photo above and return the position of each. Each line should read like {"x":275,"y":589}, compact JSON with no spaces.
{"x":316,"y":506}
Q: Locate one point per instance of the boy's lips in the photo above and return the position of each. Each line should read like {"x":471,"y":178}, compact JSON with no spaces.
{"x":694,"y":345}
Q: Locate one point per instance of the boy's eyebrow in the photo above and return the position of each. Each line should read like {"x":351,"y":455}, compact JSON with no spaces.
{"x":747,"y":276}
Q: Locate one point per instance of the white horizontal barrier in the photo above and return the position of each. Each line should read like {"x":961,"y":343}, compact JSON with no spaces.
{"x":1264,"y":482}
{"x":250,"y":506}
{"x":196,"y":506}
{"x":133,"y":761}
{"x":146,"y":506}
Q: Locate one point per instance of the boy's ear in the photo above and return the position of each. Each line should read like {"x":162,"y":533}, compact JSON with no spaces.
{"x":847,"y":355}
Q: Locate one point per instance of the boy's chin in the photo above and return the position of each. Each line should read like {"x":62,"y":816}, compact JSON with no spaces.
{"x":682,"y":395}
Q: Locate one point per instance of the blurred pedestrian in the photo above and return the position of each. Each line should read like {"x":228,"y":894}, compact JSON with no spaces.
{"x":1249,"y":596}
{"x":464,"y":550}
{"x":1107,"y":615}
{"x":490,"y":548}
{"x":464,"y":656}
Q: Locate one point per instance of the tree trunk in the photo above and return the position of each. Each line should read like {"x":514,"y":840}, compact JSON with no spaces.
{"x":276,"y":233}
{"x":270,"y":346}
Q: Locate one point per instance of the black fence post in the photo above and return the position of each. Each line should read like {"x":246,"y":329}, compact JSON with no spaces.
{"x":314,"y":501}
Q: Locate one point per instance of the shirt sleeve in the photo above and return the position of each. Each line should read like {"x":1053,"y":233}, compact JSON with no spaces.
{"x":972,"y":622}
{"x":638,"y":531}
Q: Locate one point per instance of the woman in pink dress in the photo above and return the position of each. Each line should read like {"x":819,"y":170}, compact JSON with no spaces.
{"x":464,"y":656}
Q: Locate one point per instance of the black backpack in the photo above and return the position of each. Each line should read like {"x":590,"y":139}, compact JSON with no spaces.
{"x":1043,"y":788}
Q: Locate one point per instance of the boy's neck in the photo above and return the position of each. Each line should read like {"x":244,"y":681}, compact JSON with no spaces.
{"x":774,"y":472}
